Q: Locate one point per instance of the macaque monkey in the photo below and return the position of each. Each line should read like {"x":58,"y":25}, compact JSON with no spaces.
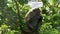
{"x":33,"y":20}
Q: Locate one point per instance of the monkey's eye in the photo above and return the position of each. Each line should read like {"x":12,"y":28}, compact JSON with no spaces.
{"x":34,"y":10}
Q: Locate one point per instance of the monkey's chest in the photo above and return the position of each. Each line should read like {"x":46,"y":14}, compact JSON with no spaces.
{"x":34,"y":21}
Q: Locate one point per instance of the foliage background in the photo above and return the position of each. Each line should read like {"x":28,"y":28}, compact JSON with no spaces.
{"x":9,"y":19}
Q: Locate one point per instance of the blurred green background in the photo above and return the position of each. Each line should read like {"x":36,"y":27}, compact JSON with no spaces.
{"x":9,"y":19}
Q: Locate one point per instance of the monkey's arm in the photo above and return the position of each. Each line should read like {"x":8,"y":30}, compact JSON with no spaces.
{"x":29,"y":25}
{"x":29,"y":20}
{"x":39,"y":23}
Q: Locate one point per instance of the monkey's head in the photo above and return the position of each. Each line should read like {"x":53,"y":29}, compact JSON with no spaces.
{"x":32,"y":12}
{"x":36,"y":11}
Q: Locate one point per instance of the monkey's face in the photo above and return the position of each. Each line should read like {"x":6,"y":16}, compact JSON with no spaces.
{"x":36,"y":11}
